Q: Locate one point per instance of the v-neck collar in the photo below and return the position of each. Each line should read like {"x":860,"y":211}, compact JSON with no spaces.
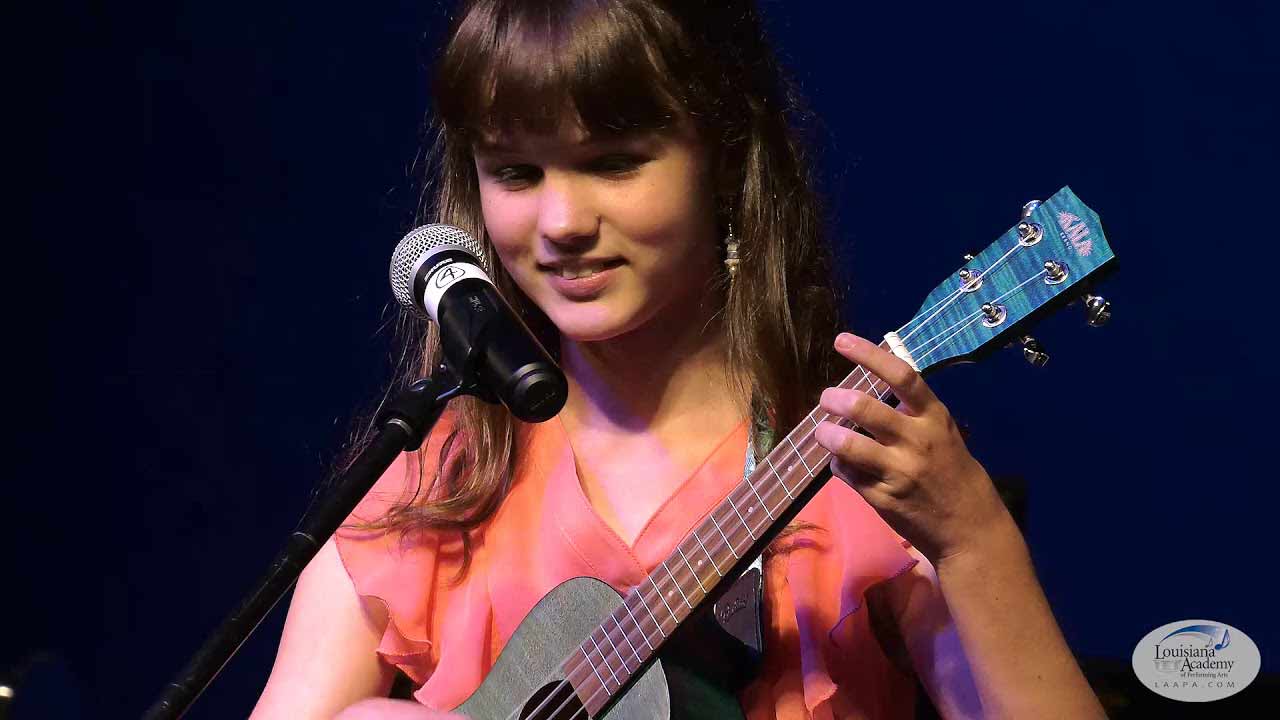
{"x":625,"y":566}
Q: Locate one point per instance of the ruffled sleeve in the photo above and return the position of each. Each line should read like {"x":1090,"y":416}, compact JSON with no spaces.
{"x":414,"y":576}
{"x":823,"y":659}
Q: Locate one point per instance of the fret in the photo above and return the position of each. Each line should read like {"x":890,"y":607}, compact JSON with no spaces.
{"x":640,"y":627}
{"x":605,"y":661}
{"x":650,"y":611}
{"x":677,"y":584}
{"x":741,"y":523}
{"x":781,"y":482}
{"x":871,"y":384}
{"x":616,"y":653}
{"x":627,"y":636}
{"x":815,"y":454}
{"x":797,"y":451}
{"x":875,"y":386}
{"x":704,"y":552}
{"x":740,"y":518}
{"x":691,"y":569}
{"x":799,"y":460}
{"x":792,"y":465}
{"x":726,"y":537}
{"x":593,"y":667}
{"x":763,"y":504}
{"x":775,"y":498}
{"x":788,"y":462}
{"x":674,"y":619}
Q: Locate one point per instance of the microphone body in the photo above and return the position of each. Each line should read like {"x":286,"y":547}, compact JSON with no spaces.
{"x":479,"y":331}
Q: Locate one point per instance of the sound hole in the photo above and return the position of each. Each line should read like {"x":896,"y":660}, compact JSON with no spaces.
{"x":554,"y":701}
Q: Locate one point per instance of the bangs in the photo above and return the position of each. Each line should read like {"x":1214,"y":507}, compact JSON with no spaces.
{"x":524,"y":66}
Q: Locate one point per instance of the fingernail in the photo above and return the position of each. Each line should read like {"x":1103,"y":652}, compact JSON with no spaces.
{"x":844,"y":341}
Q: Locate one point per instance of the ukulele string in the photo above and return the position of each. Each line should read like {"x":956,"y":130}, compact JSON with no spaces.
{"x":974,"y":318}
{"x":645,"y":598}
{"x":966,"y":321}
{"x":955,"y":294}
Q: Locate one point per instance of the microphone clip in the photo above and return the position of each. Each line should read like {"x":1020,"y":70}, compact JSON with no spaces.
{"x":416,"y":409}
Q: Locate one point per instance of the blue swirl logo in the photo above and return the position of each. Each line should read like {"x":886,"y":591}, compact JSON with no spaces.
{"x":1196,"y":660}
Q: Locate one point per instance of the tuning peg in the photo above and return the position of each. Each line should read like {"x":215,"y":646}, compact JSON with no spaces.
{"x":1032,"y":352}
{"x":1097,"y":310}
{"x":968,"y":257}
{"x":1029,"y":208}
{"x":1054,"y":272}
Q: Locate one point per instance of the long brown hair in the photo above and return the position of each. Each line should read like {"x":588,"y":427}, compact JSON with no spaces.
{"x":626,"y":66}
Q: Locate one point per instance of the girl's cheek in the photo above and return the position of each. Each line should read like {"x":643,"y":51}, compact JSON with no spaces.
{"x":507,"y":220}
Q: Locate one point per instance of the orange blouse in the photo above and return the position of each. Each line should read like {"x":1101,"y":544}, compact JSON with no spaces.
{"x":821,"y":658}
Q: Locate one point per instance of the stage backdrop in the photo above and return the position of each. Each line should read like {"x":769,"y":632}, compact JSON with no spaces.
{"x":210,"y":193}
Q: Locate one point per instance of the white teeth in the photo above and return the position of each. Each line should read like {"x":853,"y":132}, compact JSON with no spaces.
{"x":573,"y":274}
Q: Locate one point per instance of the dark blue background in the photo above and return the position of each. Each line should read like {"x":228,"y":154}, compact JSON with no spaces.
{"x":208,"y":194}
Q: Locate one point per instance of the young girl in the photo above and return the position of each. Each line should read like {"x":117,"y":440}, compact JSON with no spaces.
{"x":630,"y":167}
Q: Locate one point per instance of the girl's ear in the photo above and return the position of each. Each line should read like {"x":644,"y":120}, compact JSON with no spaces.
{"x":727,"y":166}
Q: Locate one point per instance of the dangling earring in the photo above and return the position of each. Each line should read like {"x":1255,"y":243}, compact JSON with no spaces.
{"x":731,"y":253}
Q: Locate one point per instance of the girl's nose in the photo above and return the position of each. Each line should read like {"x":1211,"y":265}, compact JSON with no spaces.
{"x":566,"y":215}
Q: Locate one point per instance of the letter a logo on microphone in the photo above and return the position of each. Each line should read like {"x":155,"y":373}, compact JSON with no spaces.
{"x":448,"y":275}
{"x":444,"y":277}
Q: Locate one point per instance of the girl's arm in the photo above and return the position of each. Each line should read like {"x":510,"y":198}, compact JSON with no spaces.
{"x":1020,"y":662}
{"x":983,"y":639}
{"x":326,"y":659}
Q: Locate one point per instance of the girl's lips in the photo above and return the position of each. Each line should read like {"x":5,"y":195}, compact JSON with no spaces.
{"x":582,"y":288}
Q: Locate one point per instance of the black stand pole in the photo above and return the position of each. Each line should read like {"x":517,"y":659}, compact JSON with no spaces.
{"x":402,"y":426}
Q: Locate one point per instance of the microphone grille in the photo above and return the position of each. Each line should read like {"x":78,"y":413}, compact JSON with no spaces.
{"x":418,"y":243}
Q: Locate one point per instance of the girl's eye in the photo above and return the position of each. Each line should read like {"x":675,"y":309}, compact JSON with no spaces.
{"x":616,"y":164}
{"x":516,"y":174}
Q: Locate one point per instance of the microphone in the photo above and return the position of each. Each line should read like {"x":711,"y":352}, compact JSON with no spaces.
{"x":437,"y":272}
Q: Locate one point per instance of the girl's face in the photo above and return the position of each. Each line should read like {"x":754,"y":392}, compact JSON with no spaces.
{"x":605,"y":235}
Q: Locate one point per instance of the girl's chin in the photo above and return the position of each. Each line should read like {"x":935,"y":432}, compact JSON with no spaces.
{"x":590,"y":334}
{"x":585,"y":327}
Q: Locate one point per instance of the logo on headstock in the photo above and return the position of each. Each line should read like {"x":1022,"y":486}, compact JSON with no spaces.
{"x":1075,"y":231}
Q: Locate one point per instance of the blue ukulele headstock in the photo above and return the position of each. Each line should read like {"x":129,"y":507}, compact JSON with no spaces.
{"x":1033,"y":268}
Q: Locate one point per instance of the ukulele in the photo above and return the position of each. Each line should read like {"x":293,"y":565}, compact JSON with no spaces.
{"x":586,"y":652}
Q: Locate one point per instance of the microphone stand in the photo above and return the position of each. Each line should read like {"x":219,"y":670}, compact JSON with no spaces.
{"x":403,"y":425}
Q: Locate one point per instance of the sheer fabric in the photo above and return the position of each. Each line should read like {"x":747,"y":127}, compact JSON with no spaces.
{"x":822,"y":658}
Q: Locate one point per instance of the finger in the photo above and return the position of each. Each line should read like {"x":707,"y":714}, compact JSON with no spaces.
{"x":872,"y":489}
{"x":854,"y":449}
{"x":869,"y":413}
{"x":905,"y":382}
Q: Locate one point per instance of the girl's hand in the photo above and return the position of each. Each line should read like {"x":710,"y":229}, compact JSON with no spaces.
{"x":914,"y":469}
